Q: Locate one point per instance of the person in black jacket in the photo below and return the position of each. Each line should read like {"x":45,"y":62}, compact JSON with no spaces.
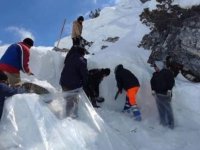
{"x":73,"y":76}
{"x":162,"y":83}
{"x":94,"y":79}
{"x":127,"y":80}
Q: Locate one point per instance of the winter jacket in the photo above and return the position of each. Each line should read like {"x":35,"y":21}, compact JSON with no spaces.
{"x":94,"y":79}
{"x":6,"y":91}
{"x":16,"y":58}
{"x":76,"y":29}
{"x":162,"y":81}
{"x":125,"y":79}
{"x":74,"y":74}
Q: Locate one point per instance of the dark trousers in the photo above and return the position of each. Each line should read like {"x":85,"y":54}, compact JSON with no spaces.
{"x":127,"y":104}
{"x":93,"y":93}
{"x":165,"y":110}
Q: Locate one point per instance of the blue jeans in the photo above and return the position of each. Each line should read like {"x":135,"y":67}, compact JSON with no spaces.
{"x":165,"y":110}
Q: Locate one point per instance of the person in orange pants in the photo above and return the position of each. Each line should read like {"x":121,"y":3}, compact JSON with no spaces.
{"x":127,"y":80}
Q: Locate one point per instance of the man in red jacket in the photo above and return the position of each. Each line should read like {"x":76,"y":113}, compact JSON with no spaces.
{"x":16,"y":58}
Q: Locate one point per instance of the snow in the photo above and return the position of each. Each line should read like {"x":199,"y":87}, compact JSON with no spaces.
{"x":106,"y":128}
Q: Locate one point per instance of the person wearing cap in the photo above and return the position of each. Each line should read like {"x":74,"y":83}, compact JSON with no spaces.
{"x":162,"y":83}
{"x":16,"y":59}
{"x":6,"y":90}
{"x":94,"y":79}
{"x":128,"y":81}
{"x":74,"y":76}
{"x":77,"y":31}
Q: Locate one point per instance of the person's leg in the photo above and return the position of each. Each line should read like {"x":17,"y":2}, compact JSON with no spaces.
{"x":96,"y":94}
{"x":132,"y":110}
{"x":161,"y":105}
{"x":169,"y":113}
{"x":13,"y":78}
{"x":69,"y":106}
{"x":132,"y":93}
{"x":127,"y":105}
{"x":91,"y":93}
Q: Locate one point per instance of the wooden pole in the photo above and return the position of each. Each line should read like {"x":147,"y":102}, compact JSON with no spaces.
{"x":61,"y":32}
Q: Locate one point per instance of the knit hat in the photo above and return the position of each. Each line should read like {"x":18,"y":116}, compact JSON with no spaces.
{"x":120,"y":66}
{"x":3,"y":76}
{"x":80,"y":18}
{"x":28,"y":41}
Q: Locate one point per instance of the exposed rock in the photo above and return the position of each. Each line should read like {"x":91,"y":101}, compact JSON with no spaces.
{"x":104,"y":46}
{"x":174,"y":32}
{"x":112,"y":39}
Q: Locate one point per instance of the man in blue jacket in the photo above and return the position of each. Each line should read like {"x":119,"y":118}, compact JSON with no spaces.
{"x":16,"y":59}
{"x":6,"y":90}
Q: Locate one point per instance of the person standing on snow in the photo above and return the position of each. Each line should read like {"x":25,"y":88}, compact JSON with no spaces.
{"x":94,"y":79}
{"x":73,"y":76}
{"x":16,"y":58}
{"x":162,"y":83}
{"x":127,"y":80}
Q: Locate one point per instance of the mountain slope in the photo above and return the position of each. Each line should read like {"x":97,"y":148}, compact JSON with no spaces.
{"x":121,"y":20}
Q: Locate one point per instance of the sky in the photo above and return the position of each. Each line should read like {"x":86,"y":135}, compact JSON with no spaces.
{"x":42,"y":19}
{"x":105,"y":128}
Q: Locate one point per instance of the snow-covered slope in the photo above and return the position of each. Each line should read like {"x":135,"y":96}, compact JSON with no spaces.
{"x":121,"y":20}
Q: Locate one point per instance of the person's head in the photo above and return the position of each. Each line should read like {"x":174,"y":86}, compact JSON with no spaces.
{"x":3,"y":77}
{"x":118,"y":67}
{"x":28,"y":41}
{"x":106,"y":71}
{"x":80,"y":19}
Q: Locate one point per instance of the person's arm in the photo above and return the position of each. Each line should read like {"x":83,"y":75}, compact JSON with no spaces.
{"x":170,"y":80}
{"x":10,"y":91}
{"x":25,"y":55}
{"x":119,"y":84}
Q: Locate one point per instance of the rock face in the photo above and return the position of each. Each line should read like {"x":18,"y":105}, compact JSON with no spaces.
{"x":180,"y":38}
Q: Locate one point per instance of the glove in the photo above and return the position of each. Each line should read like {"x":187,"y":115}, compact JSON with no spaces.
{"x":169,"y":93}
{"x":153,"y":93}
{"x":136,"y":113}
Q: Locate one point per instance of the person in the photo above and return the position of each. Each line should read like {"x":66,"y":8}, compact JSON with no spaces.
{"x":162,"y":83}
{"x":77,"y":31}
{"x":73,"y":76}
{"x":94,"y":79}
{"x":127,"y":80}
{"x":16,"y":58}
{"x":6,"y":90}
